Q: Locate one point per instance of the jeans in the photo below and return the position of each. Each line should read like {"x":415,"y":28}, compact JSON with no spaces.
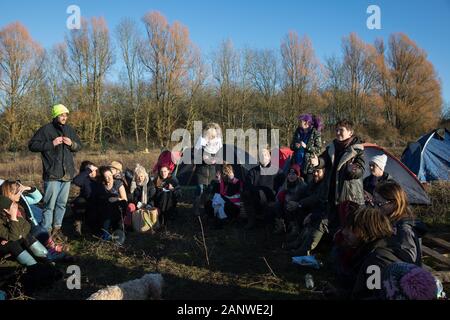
{"x":56,"y":194}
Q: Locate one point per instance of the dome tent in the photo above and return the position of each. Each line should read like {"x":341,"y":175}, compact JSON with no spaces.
{"x":429,"y":157}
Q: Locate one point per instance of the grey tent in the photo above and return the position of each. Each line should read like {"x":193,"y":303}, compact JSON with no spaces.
{"x":185,"y":171}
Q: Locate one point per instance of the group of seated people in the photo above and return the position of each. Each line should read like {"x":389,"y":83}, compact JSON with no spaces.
{"x":107,"y":201}
{"x":110,"y":196}
{"x":367,"y":220}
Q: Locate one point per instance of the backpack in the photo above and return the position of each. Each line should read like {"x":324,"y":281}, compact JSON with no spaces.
{"x":144,"y":220}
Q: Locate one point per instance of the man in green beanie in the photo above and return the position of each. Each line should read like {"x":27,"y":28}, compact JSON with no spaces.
{"x":57,"y":142}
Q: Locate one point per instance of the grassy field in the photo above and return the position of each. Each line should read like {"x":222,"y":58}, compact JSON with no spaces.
{"x":241,"y":264}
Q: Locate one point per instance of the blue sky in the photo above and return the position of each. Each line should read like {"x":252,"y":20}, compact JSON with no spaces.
{"x":258,"y":24}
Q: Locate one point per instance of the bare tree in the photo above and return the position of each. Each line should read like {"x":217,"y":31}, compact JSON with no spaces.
{"x":21,"y":69}
{"x":226,"y":70}
{"x":264,"y":76}
{"x":167,"y":56}
{"x":300,"y":76}
{"x":410,"y":87}
{"x":360,"y":75}
{"x":84,"y":59}
{"x":129,"y":43}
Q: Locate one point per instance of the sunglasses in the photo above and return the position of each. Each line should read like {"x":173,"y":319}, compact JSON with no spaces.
{"x":380,"y":204}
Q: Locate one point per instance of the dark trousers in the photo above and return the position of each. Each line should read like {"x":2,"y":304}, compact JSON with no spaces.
{"x":166,"y":203}
{"x":80,"y":208}
{"x":15,"y":248}
{"x":111,"y":214}
{"x":260,"y":201}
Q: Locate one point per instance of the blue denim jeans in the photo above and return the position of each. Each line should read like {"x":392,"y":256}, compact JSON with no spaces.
{"x":56,"y":194}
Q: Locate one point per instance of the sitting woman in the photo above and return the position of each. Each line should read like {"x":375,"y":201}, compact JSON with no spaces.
{"x":392,"y":201}
{"x":110,"y":200}
{"x":15,"y":235}
{"x":368,"y":231}
{"x":165,"y":192}
{"x":226,"y":203}
{"x":291,"y":189}
{"x":16,"y":240}
{"x":85,"y":180}
{"x":140,"y":192}
{"x":29,"y":197}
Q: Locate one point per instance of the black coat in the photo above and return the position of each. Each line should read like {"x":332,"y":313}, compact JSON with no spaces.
{"x":136,"y":196}
{"x":314,"y":197}
{"x":255,"y":179}
{"x":406,"y":238}
{"x":371,"y":182}
{"x":57,"y":162}
{"x":86,"y":184}
{"x":379,"y":253}
{"x":154,"y":191}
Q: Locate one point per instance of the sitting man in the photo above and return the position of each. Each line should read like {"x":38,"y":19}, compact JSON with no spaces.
{"x":313,"y":204}
{"x":261,"y":186}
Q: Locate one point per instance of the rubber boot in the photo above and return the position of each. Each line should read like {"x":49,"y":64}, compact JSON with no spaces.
{"x":38,"y":250}
{"x":26,"y":259}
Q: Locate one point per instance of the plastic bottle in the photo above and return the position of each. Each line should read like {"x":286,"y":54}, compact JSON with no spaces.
{"x":309,"y":281}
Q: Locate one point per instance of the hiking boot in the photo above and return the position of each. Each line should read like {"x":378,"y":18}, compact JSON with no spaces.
{"x":58,"y":235}
{"x":279,"y":226}
{"x":77,"y":225}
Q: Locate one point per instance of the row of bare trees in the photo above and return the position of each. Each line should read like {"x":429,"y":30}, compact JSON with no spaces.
{"x":137,"y":84}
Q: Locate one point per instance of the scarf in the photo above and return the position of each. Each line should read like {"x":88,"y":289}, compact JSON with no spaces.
{"x":134,"y":185}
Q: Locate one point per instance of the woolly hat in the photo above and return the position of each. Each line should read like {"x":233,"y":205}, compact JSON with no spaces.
{"x":380,"y":161}
{"x":296,"y":169}
{"x":58,"y":110}
{"x":5,"y":203}
{"x":405,"y":281}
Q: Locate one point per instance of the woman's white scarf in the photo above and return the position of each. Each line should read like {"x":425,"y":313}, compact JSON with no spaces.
{"x":134,"y":185}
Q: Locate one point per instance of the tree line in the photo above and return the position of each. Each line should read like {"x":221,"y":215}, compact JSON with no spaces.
{"x":135,"y":84}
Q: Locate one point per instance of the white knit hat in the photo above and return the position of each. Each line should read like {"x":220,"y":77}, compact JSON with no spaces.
{"x":380,"y":161}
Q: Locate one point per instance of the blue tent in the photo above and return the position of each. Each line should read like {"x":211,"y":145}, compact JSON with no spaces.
{"x":429,"y":157}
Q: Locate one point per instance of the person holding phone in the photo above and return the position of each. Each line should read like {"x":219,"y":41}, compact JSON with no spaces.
{"x":165,"y":192}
